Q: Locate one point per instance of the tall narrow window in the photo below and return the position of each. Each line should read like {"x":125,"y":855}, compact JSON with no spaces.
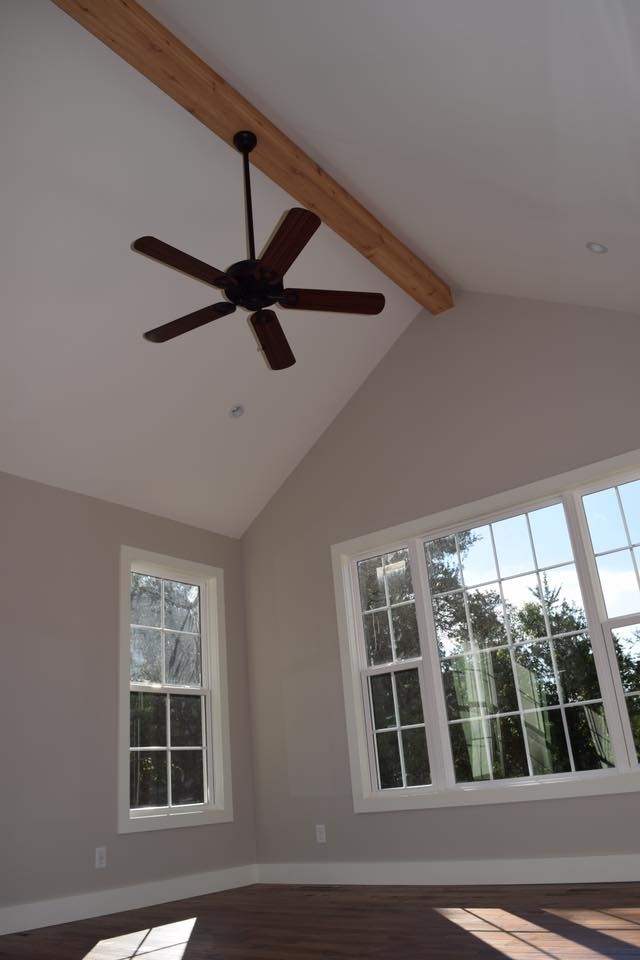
{"x":391,"y":642}
{"x":176,"y":721}
{"x":168,"y":705}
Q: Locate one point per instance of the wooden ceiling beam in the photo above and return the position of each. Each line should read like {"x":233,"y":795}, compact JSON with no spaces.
{"x":131,"y":32}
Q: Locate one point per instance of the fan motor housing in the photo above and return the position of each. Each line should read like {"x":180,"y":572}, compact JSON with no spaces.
{"x":254,"y":288}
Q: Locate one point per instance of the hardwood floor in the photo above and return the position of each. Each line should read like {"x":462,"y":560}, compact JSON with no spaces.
{"x":274,"y":922}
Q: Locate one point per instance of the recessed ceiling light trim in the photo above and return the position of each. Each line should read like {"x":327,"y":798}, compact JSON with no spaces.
{"x":594,"y":247}
{"x":236,"y":410}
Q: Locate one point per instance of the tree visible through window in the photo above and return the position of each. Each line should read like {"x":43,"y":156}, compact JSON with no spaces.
{"x":520,"y":683}
{"x":173,"y":729}
{"x":167,"y":699}
{"x":505,"y":650}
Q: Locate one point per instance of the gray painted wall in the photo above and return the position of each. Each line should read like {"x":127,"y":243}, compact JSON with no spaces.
{"x":497,"y":393}
{"x":58,"y":697}
{"x":492,"y":395}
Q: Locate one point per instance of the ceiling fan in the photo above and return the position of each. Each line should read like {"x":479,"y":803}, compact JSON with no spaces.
{"x":257,"y":284}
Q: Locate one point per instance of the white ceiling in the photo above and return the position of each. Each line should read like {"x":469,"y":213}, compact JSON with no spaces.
{"x":495,"y":137}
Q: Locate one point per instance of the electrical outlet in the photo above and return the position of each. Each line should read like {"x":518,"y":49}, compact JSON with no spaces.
{"x":101,"y":858}
{"x":321,"y":833}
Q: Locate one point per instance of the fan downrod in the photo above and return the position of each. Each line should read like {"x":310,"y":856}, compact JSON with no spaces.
{"x":245,"y":141}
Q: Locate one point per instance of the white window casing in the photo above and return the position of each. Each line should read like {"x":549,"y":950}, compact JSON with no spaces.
{"x":444,"y":790}
{"x":212,"y":691}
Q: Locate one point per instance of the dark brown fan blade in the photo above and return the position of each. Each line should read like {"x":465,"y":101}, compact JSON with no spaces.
{"x":290,"y":238}
{"x":189,"y":322}
{"x":171,"y":257}
{"x":272,"y":340}
{"x":333,"y":301}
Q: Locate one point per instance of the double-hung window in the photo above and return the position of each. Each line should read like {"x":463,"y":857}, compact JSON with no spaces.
{"x":174,"y":745}
{"x":493,"y":652}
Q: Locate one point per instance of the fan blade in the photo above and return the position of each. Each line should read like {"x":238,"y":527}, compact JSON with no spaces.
{"x":289,"y":240}
{"x":333,"y":301}
{"x":272,"y":340}
{"x":171,"y":257}
{"x":189,"y":322}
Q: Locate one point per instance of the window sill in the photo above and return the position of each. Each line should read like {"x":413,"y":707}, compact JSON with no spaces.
{"x":591,"y":784}
{"x":140,"y":822}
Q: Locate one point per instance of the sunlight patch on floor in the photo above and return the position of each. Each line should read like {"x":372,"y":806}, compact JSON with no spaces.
{"x":165,"y":942}
{"x":606,"y":922}
{"x":516,"y":938}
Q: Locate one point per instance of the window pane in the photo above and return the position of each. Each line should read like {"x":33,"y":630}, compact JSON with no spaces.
{"x":451,"y":624}
{"x":605,"y":520}
{"x":497,"y":683}
{"x":389,"y":760}
{"x":416,"y":759}
{"x":398,"y":574}
{"x":409,"y":699}
{"x":148,"y":779}
{"x":371,"y":581}
{"x":500,"y":666}
{"x":405,"y":631}
{"x":146,"y":593}
{"x":384,"y":712}
{"x":377,"y":637}
{"x":619,"y":583}
{"x":513,"y":546}
{"x":550,"y":536}
{"x":563,"y":598}
{"x":442,"y":565}
{"x":630,"y":496}
{"x":536,"y":678}
{"x":146,"y":655}
{"x":486,"y":615}
{"x":577,"y":669}
{"x":147,"y":719}
{"x":589,"y":737}
{"x":633,"y":706}
{"x":547,"y":742}
{"x":181,"y":606}
{"x":186,"y":721}
{"x":626,"y":641}
{"x":187,"y":777}
{"x":182,"y":659}
{"x":476,"y":550}
{"x":526,"y":615}
{"x":469,"y":749}
{"x":458,"y":678}
{"x":506,"y":746}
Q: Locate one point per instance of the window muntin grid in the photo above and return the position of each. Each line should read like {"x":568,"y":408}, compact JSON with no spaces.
{"x":613,"y":520}
{"x":595,"y":740}
{"x":398,"y":723}
{"x":168,"y":700}
{"x":521,"y":689}
{"x":390,"y":639}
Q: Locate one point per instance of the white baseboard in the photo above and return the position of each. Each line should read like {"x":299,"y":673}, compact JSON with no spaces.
{"x":44,"y":913}
{"x":605,"y":869}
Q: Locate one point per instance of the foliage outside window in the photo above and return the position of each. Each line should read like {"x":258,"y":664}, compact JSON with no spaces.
{"x":505,"y":651}
{"x":175,"y":718}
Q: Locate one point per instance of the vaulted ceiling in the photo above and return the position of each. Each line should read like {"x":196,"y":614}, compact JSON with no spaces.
{"x":493,"y":138}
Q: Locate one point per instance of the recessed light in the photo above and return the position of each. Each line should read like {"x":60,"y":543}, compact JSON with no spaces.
{"x":596,"y":247}
{"x":236,"y":410}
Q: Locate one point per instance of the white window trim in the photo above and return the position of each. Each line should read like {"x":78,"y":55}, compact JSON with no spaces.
{"x":367,"y":797}
{"x":219,"y":809}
